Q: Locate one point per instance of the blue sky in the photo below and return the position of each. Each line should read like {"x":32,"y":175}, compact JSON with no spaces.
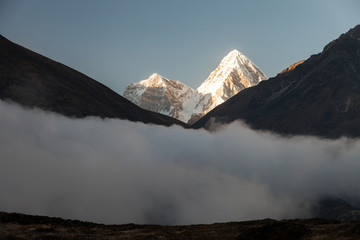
{"x":124,"y":41}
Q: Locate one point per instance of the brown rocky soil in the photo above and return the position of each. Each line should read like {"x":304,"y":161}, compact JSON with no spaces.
{"x":19,"y":226}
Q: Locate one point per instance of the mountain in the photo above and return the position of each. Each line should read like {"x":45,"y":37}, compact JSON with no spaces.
{"x":320,"y":96}
{"x":159,"y":94}
{"x":331,"y":207}
{"x":234,"y":73}
{"x":173,"y":98}
{"x":33,"y":80}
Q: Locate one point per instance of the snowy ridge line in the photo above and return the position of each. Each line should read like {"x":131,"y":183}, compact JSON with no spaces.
{"x":173,"y":98}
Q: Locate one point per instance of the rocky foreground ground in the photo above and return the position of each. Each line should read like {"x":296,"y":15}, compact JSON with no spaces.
{"x":19,"y":226}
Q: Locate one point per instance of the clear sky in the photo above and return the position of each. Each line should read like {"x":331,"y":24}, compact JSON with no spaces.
{"x":123,"y":41}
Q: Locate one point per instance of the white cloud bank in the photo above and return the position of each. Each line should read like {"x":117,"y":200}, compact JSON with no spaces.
{"x":113,"y":171}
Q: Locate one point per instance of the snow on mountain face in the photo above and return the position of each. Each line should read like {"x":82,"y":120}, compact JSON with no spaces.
{"x":159,"y":94}
{"x":234,"y":73}
{"x":170,"y":97}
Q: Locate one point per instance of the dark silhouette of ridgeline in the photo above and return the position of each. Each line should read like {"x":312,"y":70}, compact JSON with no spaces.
{"x":33,"y":80}
{"x":320,"y":96}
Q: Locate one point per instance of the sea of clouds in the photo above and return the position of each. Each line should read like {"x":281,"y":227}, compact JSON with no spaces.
{"x":116,"y":171}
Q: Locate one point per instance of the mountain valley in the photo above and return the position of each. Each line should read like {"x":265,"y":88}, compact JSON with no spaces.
{"x":310,"y":100}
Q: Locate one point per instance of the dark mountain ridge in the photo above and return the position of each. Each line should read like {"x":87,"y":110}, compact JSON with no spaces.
{"x":33,"y":80}
{"x":320,"y":96}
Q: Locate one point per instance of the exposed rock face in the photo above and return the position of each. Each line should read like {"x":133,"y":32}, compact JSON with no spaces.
{"x":234,"y":73}
{"x":33,"y":80}
{"x":173,"y":98}
{"x":292,"y":67}
{"x":159,"y":94}
{"x":319,"y":97}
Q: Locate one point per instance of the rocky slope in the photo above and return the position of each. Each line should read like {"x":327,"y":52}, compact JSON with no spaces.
{"x":320,"y":96}
{"x":33,"y":80}
{"x":234,"y":73}
{"x":161,"y":95}
{"x":331,"y":207}
{"x":21,"y":227}
{"x":170,"y":97}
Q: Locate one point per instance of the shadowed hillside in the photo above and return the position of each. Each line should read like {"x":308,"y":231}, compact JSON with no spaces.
{"x":320,"y":96}
{"x":36,"y":81}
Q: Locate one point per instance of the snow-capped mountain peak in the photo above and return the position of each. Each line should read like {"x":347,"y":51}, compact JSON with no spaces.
{"x":159,"y":94}
{"x":232,"y":58}
{"x":154,"y":80}
{"x":234,"y":73}
{"x":237,"y":63}
{"x":171,"y":97}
